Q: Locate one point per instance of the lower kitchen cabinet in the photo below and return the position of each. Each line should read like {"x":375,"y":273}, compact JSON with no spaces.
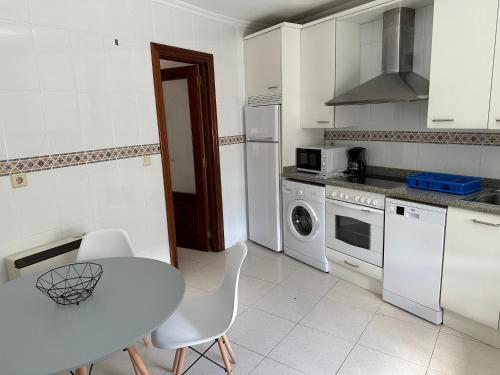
{"x":471,"y":269}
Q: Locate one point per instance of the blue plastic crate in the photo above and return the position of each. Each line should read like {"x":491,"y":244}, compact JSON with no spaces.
{"x":446,"y":183}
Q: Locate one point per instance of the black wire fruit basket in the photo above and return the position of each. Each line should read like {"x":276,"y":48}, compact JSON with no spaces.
{"x":70,"y":284}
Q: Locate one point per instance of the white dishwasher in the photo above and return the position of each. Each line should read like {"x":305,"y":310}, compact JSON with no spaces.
{"x":413,"y":257}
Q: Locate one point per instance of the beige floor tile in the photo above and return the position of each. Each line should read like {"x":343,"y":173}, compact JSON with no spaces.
{"x":454,"y":332}
{"x":339,"y":319}
{"x":273,"y":269}
{"x":252,"y":289}
{"x":354,"y":295}
{"x":458,"y":356}
{"x":268,"y":367}
{"x":310,"y":280}
{"x":312,"y":351}
{"x":287,"y":303}
{"x":397,"y":313}
{"x":404,"y":340}
{"x":363,"y":361}
{"x":259,"y":331}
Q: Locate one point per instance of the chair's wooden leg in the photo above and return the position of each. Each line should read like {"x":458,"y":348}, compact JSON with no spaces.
{"x":137,"y":360}
{"x":82,"y":371}
{"x":180,"y":363}
{"x":223,"y":352}
{"x":145,"y":341}
{"x":136,"y":369}
{"x":229,"y":348}
{"x":176,"y":361}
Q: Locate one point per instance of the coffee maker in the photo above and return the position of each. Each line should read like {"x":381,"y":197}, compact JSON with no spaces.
{"x":357,"y":161}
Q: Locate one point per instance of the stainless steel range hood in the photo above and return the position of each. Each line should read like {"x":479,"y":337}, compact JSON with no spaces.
{"x":398,"y":82}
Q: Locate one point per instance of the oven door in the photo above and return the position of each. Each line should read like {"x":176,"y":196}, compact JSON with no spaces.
{"x":308,"y":159}
{"x":355,"y":230}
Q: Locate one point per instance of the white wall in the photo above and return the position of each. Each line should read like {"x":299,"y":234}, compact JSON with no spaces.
{"x":65,"y":86}
{"x":463,"y":159}
{"x":180,"y":140}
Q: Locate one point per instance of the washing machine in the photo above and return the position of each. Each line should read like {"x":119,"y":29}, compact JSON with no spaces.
{"x":304,"y":223}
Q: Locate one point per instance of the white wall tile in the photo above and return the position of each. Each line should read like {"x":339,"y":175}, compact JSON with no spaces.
{"x":89,"y":62}
{"x":142,"y":68}
{"x":8,"y":219}
{"x":404,"y":155}
{"x":464,"y":159}
{"x":95,"y":118}
{"x":148,"y":125}
{"x":378,"y":153}
{"x":116,"y":18}
{"x":142,"y":20}
{"x":125,"y":120}
{"x":432,"y":157}
{"x":36,"y":205}
{"x":54,"y":58}
{"x":105,"y":188}
{"x":119,"y":65}
{"x":3,"y":147}
{"x":22,"y":119}
{"x":17,"y":10}
{"x":163,"y":24}
{"x":85,"y":15}
{"x":50,"y":12}
{"x":490,"y":162}
{"x":73,"y":194}
{"x":18,"y":57}
{"x":62,"y":121}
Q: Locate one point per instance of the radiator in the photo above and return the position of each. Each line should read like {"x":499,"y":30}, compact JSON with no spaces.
{"x":43,"y":257}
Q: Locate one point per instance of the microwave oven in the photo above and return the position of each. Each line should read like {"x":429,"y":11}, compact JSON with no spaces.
{"x":322,"y":160}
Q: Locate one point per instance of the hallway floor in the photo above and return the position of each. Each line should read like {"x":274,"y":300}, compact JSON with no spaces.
{"x":294,"y":320}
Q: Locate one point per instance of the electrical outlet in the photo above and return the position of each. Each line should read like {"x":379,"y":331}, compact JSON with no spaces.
{"x":18,"y":180}
{"x":146,"y":160}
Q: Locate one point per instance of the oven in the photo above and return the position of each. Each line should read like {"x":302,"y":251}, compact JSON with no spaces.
{"x":355,"y":230}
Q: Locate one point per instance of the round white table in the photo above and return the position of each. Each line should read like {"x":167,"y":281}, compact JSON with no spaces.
{"x":38,"y":336}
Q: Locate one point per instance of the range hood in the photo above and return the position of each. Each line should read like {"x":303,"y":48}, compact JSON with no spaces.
{"x":398,"y":82}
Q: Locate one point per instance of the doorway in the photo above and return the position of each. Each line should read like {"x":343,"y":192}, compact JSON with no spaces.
{"x":187,"y":120}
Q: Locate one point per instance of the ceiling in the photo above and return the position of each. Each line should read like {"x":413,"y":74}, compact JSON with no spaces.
{"x":273,"y":11}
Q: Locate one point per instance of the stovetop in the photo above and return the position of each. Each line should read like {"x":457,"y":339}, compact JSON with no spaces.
{"x":381,"y":181}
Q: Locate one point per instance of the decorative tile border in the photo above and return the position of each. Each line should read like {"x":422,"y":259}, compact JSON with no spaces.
{"x":458,"y":138}
{"x":70,"y":159}
{"x":232,"y":140}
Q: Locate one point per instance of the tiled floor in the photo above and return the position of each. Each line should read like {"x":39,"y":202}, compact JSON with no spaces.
{"x":295,"y":320}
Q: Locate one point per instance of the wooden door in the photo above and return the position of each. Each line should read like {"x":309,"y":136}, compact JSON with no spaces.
{"x":191,"y":207}
{"x":463,"y":43}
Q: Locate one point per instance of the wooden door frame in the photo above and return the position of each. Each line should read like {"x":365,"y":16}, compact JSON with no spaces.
{"x":192,"y":75}
{"x":205,"y":64}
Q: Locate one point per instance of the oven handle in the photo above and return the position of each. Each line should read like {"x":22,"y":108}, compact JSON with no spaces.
{"x":356,"y":207}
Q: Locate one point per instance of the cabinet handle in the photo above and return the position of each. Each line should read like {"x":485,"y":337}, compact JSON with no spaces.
{"x":322,"y":122}
{"x":351,"y":264}
{"x":486,"y":223}
{"x":497,"y":119}
{"x":443,"y":120}
{"x":272,"y":87}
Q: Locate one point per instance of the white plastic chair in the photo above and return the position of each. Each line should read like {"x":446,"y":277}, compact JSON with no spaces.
{"x":202,"y":319}
{"x":110,"y":243}
{"x":106,"y":243}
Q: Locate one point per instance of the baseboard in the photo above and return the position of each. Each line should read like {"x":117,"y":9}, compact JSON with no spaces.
{"x":472,"y":328}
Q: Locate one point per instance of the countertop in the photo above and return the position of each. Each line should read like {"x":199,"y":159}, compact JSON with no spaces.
{"x":403,"y":191}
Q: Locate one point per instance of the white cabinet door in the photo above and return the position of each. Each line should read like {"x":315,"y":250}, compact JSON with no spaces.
{"x":463,"y":43}
{"x":263,"y":64}
{"x":471,"y":268}
{"x":317,"y":74}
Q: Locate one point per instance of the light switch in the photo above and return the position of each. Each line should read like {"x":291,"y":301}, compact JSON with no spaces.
{"x":18,"y":180}
{"x":146,"y":160}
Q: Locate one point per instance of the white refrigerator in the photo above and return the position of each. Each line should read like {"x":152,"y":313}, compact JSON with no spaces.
{"x":263,"y":158}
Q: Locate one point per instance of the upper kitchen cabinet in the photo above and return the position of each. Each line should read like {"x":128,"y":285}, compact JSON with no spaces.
{"x":317,"y":74}
{"x":263,"y":64}
{"x":494,"y":117}
{"x":463,"y":45}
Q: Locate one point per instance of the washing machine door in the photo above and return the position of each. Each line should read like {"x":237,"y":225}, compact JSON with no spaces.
{"x":302,"y":220}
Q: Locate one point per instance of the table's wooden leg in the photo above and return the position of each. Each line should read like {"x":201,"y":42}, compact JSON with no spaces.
{"x":82,"y":371}
{"x":229,"y":348}
{"x":137,"y":360}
